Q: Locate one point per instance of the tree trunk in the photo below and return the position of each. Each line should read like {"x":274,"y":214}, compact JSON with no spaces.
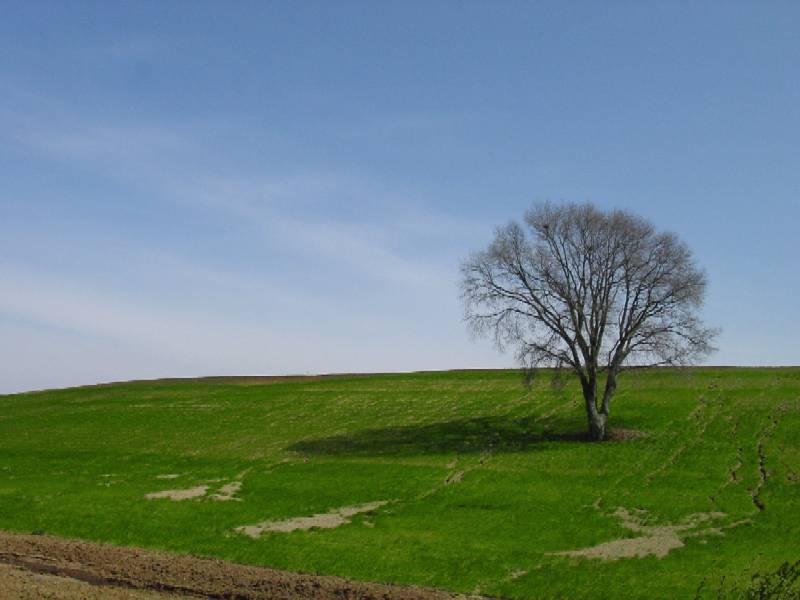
{"x":597,"y":426}
{"x":611,"y":387}
{"x":597,"y":419}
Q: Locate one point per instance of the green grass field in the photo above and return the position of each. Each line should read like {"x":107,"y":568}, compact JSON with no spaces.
{"x":520,"y":486}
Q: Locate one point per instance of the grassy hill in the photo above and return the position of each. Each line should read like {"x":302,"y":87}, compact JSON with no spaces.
{"x":460,"y":480}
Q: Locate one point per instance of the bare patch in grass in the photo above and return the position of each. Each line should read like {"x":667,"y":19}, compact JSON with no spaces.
{"x":188,"y":494}
{"x":657,"y":540}
{"x":624,"y":435}
{"x":328,"y":520}
{"x":228,"y":492}
{"x":455,"y":478}
{"x":168,"y":476}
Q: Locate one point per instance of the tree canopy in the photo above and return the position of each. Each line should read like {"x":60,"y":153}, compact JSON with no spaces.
{"x":595,"y":291}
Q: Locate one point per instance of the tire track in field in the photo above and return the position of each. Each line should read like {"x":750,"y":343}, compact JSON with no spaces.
{"x":457,"y":471}
{"x":733,"y":471}
{"x":764,"y":436}
{"x":791,"y":474}
{"x":636,"y":470}
{"x":655,"y":452}
{"x":456,"y":475}
{"x":714,"y":407}
{"x":734,"y":477}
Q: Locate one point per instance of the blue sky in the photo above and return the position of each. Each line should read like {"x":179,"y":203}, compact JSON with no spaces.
{"x":195,"y":188}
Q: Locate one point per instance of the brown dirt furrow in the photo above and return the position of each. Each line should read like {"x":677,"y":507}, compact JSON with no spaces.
{"x":136,"y":569}
{"x":21,"y":584}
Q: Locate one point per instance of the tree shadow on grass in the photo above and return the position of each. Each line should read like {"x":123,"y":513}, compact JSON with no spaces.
{"x":462,"y":436}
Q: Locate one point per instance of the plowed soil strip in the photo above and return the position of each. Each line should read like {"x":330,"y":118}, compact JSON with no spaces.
{"x":20,"y":584}
{"x":103,"y":564}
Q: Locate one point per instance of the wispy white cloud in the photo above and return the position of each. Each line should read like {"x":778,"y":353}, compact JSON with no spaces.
{"x":100,"y":143}
{"x":37,"y":124}
{"x":341,"y":217}
{"x":347,"y":274}
{"x":51,"y":319}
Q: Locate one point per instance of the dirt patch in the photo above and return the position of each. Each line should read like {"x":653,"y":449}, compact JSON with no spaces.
{"x":168,"y":476}
{"x":329,"y":520}
{"x":657,"y":540}
{"x":188,"y":494}
{"x":228,"y":492}
{"x":640,"y":547}
{"x":455,"y":478}
{"x":132,"y":569}
{"x":22,"y":584}
{"x":624,"y":435}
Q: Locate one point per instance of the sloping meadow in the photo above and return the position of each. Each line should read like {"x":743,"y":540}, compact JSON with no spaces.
{"x":467,"y":481}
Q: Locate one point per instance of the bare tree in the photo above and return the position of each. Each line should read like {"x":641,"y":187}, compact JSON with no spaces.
{"x":595,"y":291}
